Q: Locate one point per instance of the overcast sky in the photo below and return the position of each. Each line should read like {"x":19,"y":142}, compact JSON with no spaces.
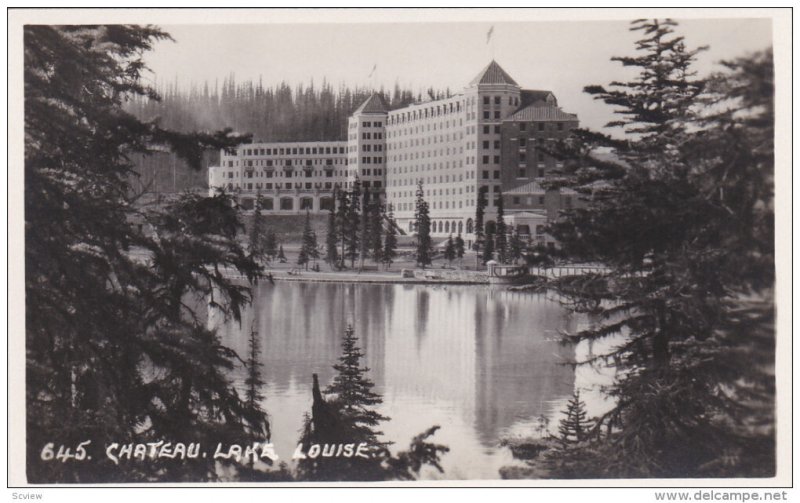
{"x":559,"y":56}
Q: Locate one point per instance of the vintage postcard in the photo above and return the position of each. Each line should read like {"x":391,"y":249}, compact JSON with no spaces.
{"x":486,"y":247}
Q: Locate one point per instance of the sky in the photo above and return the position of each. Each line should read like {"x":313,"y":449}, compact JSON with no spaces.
{"x":560,"y":56}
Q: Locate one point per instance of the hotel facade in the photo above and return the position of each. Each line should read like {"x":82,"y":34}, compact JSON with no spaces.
{"x":490,"y":137}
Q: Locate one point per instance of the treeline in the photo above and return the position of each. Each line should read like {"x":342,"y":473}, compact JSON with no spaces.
{"x":307,"y":112}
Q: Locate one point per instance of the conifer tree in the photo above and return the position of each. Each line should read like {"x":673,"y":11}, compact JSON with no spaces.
{"x":331,"y":241}
{"x":342,"y":222}
{"x":424,"y":245}
{"x":680,"y":265}
{"x":501,"y":240}
{"x":575,"y":425}
{"x":480,"y":212}
{"x":281,"y":255}
{"x":257,"y":231}
{"x":375,"y":234}
{"x":349,"y":415}
{"x":364,"y":229}
{"x":487,"y":252}
{"x":459,"y":245}
{"x":308,"y":247}
{"x":271,"y":245}
{"x":450,"y":250}
{"x":515,"y":246}
{"x":352,"y":224}
{"x":390,"y":243}
{"x":113,"y":351}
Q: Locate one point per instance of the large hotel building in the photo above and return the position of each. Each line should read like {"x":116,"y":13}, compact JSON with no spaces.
{"x":490,"y":135}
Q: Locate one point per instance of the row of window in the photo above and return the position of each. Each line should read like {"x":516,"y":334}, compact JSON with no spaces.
{"x":425,"y":113}
{"x":292,"y":151}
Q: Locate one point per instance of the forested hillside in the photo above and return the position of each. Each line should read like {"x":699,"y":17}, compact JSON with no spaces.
{"x":306,"y":113}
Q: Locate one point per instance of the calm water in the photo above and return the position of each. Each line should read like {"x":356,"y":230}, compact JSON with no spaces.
{"x":483,"y":364}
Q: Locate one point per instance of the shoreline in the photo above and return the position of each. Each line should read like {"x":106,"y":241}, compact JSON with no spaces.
{"x":354,"y":277}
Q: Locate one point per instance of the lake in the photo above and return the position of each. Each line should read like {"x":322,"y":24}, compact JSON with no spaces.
{"x":482,"y":363}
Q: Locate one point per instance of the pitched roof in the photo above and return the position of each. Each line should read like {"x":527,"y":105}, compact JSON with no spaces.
{"x":541,"y":113}
{"x":493,"y":74}
{"x":373,"y":105}
{"x":531,"y":96}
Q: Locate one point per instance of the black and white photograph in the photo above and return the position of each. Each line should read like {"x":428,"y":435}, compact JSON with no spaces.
{"x":405,"y":246}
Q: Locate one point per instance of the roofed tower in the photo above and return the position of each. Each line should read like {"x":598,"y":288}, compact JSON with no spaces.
{"x":366,"y":144}
{"x":493,"y":74}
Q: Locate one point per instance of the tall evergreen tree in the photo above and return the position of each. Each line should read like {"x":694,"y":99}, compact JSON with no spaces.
{"x":390,"y":243}
{"x":487,"y":252}
{"x":281,"y":255}
{"x":375,"y":233}
{"x":342,"y":221}
{"x":352,"y":227}
{"x":459,"y":245}
{"x":515,"y":246}
{"x":349,"y":416}
{"x":257,"y":231}
{"x":113,"y":352}
{"x":308,"y":248}
{"x":331,"y":241}
{"x":689,"y":291}
{"x":364,"y":229}
{"x":480,"y":213}
{"x":424,"y":245}
{"x":450,"y":250}
{"x":501,"y":241}
{"x":271,"y":245}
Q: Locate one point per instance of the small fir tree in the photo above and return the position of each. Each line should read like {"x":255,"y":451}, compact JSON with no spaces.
{"x":515,"y":246}
{"x":480,"y":213}
{"x":271,"y":245}
{"x":375,"y":235}
{"x":390,"y":243}
{"x":459,"y":244}
{"x":487,"y":252}
{"x":424,"y":245}
{"x":257,"y":232}
{"x":575,"y":426}
{"x":450,"y":250}
{"x":501,"y":240}
{"x":331,"y":241}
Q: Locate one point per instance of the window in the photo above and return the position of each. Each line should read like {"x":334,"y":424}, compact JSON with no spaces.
{"x":496,"y":175}
{"x":522,"y":126}
{"x":541,"y":200}
{"x":497,"y":114}
{"x":497,"y":159}
{"x":486,"y":129}
{"x":560,"y":126}
{"x":516,"y":199}
{"x":522,"y":173}
{"x":486,"y":114}
{"x":485,"y":174}
{"x":497,"y":130}
{"x":486,"y":144}
{"x":541,"y":172}
{"x":485,"y":100}
{"x":497,"y":144}
{"x":522,"y":142}
{"x":541,"y":126}
{"x":497,"y":100}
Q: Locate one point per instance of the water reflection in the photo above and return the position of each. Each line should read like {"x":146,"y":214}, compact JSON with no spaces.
{"x":482,"y":363}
